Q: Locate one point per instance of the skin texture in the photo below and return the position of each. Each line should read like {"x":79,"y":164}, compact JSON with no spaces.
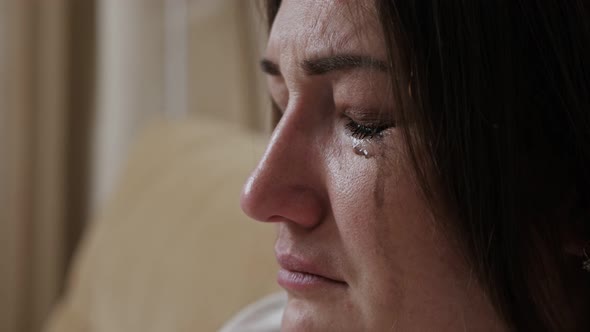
{"x":361,"y":218}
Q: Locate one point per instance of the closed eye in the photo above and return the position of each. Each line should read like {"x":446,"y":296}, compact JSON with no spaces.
{"x":361,"y":131}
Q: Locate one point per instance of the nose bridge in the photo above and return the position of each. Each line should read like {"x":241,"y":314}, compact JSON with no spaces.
{"x":294,"y":144}
{"x":291,"y":137}
{"x":286,"y":185}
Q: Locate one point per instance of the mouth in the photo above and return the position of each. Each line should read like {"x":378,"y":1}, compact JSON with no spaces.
{"x":301,"y":275}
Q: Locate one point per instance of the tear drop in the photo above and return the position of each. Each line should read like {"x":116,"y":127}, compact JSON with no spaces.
{"x":361,"y":149}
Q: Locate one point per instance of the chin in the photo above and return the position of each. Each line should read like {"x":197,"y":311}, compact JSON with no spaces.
{"x":309,"y":316}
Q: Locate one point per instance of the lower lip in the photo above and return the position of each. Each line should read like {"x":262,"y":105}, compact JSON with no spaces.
{"x":300,"y":281}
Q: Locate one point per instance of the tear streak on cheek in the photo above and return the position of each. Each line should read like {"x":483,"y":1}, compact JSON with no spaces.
{"x":385,"y":170}
{"x":379,"y":188}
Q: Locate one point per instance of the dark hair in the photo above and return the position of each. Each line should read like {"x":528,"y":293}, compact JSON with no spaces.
{"x":500,"y":114}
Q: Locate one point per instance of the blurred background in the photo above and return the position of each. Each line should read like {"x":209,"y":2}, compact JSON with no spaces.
{"x":79,"y":79}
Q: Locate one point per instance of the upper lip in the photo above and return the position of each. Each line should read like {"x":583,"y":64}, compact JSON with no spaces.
{"x":296,"y":263}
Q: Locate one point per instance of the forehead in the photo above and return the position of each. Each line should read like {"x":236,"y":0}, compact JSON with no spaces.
{"x":313,"y":28}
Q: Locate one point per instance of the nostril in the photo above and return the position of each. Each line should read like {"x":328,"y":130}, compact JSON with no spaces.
{"x":276,"y":218}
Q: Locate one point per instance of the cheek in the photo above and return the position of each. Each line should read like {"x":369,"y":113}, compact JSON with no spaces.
{"x":370,"y":197}
{"x":374,"y":200}
{"x":381,"y":221}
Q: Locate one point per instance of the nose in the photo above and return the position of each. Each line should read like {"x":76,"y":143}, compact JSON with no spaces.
{"x":287,"y":185}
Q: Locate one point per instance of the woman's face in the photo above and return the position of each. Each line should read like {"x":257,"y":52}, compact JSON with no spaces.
{"x":358,"y":248}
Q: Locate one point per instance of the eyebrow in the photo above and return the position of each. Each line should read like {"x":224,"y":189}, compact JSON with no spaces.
{"x":322,"y":66}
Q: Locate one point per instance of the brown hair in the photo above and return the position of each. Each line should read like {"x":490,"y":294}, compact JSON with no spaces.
{"x":500,"y":107}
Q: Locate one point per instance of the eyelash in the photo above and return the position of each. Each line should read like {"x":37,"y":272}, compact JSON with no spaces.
{"x":361,"y":131}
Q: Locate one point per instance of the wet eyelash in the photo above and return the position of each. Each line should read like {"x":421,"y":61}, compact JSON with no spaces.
{"x":360,"y":131}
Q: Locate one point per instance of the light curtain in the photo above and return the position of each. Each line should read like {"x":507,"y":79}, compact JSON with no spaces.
{"x":45,"y":64}
{"x":77,"y":81}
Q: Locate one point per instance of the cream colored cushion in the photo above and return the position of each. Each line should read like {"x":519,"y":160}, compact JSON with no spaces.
{"x":172,"y":251}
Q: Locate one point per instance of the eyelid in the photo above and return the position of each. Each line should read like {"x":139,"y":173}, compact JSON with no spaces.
{"x":270,"y":68}
{"x":370,"y":117}
{"x":367,"y":124}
